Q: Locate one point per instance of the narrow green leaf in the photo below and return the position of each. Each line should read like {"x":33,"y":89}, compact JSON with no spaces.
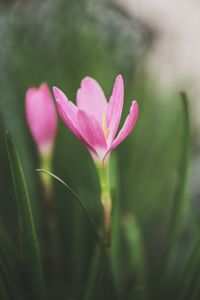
{"x":94,"y":274}
{"x":116,"y":245}
{"x":7,"y":248}
{"x":29,"y":242}
{"x":135,"y":256}
{"x":190,"y":274}
{"x":79,"y":202}
{"x":179,"y":199}
{"x":3,"y":291}
{"x":9,"y":266}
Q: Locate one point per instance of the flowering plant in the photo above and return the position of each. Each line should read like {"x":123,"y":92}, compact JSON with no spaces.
{"x":95,"y":122}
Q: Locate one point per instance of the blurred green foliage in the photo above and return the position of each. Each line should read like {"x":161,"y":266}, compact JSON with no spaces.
{"x":155,"y":233}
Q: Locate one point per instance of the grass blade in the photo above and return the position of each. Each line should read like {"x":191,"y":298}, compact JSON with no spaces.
{"x":179,"y":201}
{"x":191,"y":275}
{"x":116,"y":245}
{"x":137,"y":272}
{"x":94,"y":274}
{"x":9,"y":266}
{"x":78,"y":201}
{"x":29,"y":242}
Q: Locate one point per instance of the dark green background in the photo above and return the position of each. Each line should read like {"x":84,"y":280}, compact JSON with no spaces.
{"x":60,"y":42}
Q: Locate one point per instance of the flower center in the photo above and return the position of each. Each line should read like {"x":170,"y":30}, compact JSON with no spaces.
{"x":104,"y":126}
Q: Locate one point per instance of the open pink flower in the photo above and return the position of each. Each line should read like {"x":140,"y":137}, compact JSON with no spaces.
{"x":41,"y":117}
{"x":94,"y":120}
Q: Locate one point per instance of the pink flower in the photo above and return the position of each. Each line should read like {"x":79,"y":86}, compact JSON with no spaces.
{"x":41,"y":117}
{"x":94,"y":120}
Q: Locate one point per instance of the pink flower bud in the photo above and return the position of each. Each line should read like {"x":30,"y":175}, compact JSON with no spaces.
{"x":41,"y":117}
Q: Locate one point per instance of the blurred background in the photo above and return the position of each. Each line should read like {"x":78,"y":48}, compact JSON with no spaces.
{"x":155,"y":46}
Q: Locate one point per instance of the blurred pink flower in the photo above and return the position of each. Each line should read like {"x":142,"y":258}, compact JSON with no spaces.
{"x":94,"y":120}
{"x":41,"y":117}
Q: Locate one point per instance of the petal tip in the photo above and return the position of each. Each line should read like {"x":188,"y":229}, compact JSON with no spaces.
{"x":43,"y":85}
{"x":85,"y":81}
{"x":56,"y":93}
{"x":135,"y":105}
{"x":30,"y":92}
{"x":119,"y":82}
{"x":119,"y":76}
{"x":119,"y":79}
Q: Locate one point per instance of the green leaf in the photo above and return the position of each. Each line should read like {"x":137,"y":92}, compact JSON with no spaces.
{"x":79,"y":243}
{"x":7,"y":248}
{"x":116,"y":252}
{"x":94,"y":274}
{"x":3,"y":291}
{"x":135,"y":254}
{"x":9,"y":266}
{"x":79,"y":202}
{"x":180,"y":193}
{"x":29,"y":242}
{"x":179,"y":199}
{"x":190,"y":272}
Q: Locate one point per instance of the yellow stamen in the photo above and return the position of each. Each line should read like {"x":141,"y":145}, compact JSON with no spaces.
{"x":106,"y":134}
{"x":104,"y":127}
{"x":104,"y":122}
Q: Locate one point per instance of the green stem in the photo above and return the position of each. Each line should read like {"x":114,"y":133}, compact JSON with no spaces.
{"x":103,"y":171}
{"x":46,"y":164}
{"x":51,"y":229}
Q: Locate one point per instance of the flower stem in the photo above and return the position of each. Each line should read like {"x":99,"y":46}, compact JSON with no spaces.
{"x":46,"y":164}
{"x":103,"y":171}
{"x":51,"y":226}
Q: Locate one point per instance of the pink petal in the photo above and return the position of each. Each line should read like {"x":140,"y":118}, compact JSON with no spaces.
{"x":67,"y":110}
{"x":91,"y":133}
{"x":41,"y":116}
{"x":128,"y":125}
{"x":114,"y":107}
{"x":91,"y":98}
